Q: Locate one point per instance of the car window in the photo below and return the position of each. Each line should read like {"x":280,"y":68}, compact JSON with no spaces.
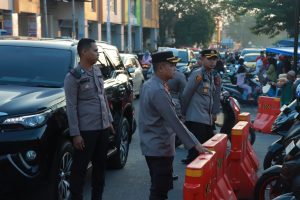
{"x":115,"y":58}
{"x":32,"y":66}
{"x":134,"y":62}
{"x":184,"y":56}
{"x":251,"y":58}
{"x":105,"y":66}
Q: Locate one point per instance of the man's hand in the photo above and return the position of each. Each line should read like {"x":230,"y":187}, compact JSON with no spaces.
{"x":78,"y":142}
{"x":202,"y":149}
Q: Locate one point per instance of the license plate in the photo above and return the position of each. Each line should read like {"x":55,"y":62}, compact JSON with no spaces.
{"x":289,"y":148}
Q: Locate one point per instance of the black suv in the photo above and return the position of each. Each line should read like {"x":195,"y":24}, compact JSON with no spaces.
{"x":35,"y":145}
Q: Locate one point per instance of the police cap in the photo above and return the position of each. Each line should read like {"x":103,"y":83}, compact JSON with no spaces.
{"x":209,"y":53}
{"x":164,"y":56}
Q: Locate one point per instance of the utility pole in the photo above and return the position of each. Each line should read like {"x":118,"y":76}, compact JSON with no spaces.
{"x":46,"y":18}
{"x":129,"y":27}
{"x":296,"y":38}
{"x":73,"y":20}
{"x":108,"y":34}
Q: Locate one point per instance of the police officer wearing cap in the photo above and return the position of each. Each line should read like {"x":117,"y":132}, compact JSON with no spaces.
{"x":158,"y":125}
{"x":90,"y":120}
{"x":201,"y":100}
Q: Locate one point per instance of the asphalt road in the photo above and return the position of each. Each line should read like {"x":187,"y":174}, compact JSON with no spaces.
{"x":133,"y":182}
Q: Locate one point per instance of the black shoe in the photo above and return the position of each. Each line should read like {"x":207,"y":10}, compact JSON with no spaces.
{"x":175,"y":177}
{"x":186,"y":161}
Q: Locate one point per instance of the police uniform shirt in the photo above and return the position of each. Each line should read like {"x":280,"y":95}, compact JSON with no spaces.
{"x":87,"y":105}
{"x":177,"y":85}
{"x":201,"y":97}
{"x":158,"y":122}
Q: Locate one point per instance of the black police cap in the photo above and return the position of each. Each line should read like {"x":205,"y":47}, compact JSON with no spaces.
{"x":164,"y":56}
{"x":209,"y":53}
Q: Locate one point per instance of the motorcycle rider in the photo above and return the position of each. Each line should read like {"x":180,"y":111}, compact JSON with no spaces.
{"x":241,"y":80}
{"x":146,"y":60}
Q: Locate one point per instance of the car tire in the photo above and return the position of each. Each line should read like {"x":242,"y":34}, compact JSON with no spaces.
{"x":61,"y":171}
{"x":269,"y":185}
{"x":119,"y":159}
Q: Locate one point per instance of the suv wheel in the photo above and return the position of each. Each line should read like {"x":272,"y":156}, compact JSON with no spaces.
{"x":62,"y":171}
{"x":118,"y":160}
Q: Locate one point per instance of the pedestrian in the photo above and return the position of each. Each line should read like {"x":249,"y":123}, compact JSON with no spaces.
{"x":271,"y":71}
{"x":201,"y":100}
{"x":158,"y":125}
{"x":90,"y":120}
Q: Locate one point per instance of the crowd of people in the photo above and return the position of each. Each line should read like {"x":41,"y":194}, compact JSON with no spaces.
{"x":169,"y":106}
{"x":274,"y":72}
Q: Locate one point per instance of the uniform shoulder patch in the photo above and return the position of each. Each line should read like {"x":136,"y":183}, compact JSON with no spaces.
{"x":199,"y":78}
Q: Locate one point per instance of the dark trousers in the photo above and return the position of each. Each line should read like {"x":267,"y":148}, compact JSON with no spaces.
{"x":161,"y":170}
{"x":202,"y":132}
{"x":96,"y":146}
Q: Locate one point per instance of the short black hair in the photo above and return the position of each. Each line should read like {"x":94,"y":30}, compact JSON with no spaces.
{"x":84,"y":43}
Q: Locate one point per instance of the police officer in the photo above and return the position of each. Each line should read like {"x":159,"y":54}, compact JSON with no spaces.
{"x":158,"y":124}
{"x":201,"y":100}
{"x":89,"y":120}
{"x":176,"y":86}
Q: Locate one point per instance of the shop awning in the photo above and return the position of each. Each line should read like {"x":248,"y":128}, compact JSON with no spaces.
{"x":289,"y":51}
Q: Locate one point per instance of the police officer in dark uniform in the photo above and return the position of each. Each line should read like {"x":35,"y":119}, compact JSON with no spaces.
{"x":201,"y":100}
{"x":158,"y":125}
{"x":89,"y":120}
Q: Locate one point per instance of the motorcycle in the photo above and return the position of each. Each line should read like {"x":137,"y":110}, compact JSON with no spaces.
{"x":281,"y":179}
{"x":288,"y":128}
{"x":229,"y":116}
{"x":239,"y":93}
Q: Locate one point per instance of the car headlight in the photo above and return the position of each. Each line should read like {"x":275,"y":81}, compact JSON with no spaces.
{"x":29,"y":121}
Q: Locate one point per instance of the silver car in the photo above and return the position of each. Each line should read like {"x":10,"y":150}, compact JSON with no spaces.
{"x":134,"y":68}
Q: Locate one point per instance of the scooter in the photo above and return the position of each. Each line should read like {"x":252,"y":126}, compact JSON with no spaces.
{"x":288,"y":128}
{"x":229,"y":116}
{"x":281,"y":181}
{"x":239,"y":94}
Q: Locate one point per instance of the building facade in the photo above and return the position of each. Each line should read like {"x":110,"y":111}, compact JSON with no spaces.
{"x":131,"y":25}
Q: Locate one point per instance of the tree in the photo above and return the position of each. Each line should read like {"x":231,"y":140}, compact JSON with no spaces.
{"x":177,"y":11}
{"x":272,"y":17}
{"x":196,"y":27}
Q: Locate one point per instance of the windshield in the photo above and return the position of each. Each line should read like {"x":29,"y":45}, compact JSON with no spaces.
{"x":31,"y":66}
{"x":246,"y":51}
{"x":184,"y":56}
{"x":251,"y":58}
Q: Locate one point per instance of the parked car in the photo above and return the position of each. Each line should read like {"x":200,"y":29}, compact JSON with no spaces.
{"x":250,"y":59}
{"x":35,"y":146}
{"x":250,"y":50}
{"x":133,"y":66}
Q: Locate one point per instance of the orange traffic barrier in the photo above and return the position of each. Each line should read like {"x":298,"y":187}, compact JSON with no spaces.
{"x":268,"y":110}
{"x":250,"y":153}
{"x":240,"y":172}
{"x":199,"y":178}
{"x":222,"y":189}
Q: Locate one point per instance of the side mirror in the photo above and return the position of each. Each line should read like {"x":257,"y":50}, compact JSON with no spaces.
{"x":131,"y":70}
